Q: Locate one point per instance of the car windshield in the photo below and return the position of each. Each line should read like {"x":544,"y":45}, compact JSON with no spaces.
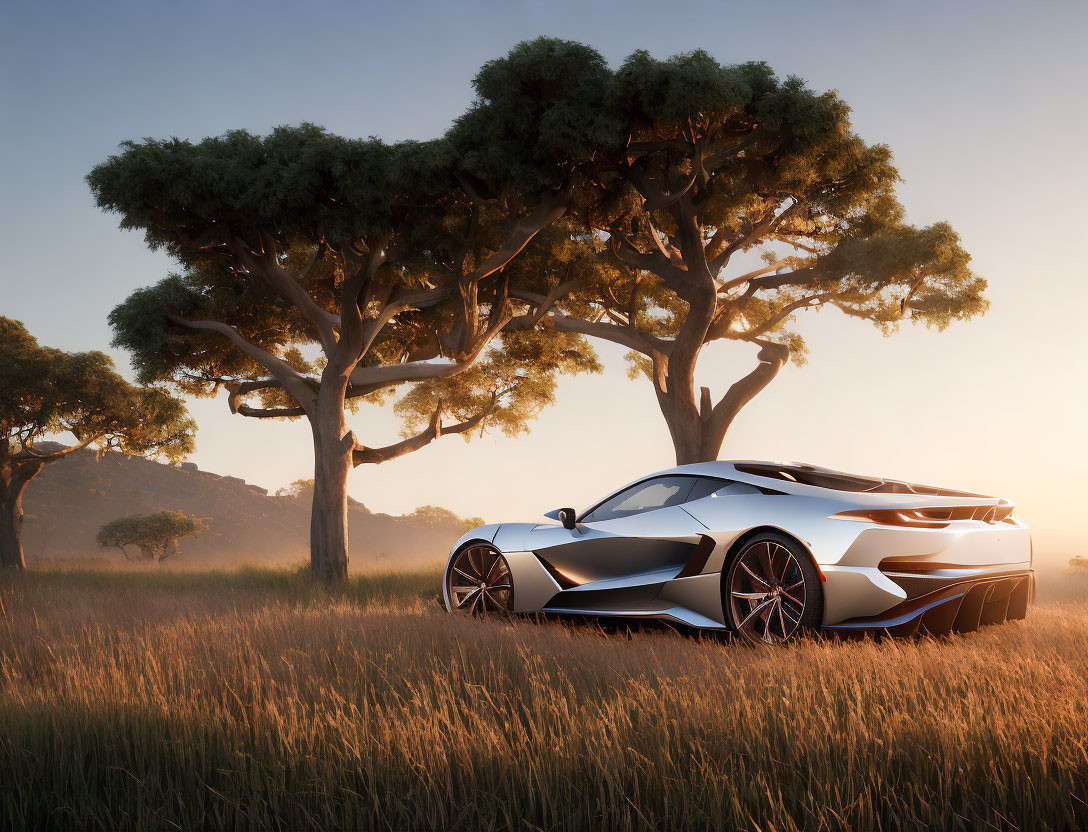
{"x":646,"y":496}
{"x":662,"y":492}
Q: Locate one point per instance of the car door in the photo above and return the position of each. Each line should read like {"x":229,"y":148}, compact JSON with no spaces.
{"x":638,"y":536}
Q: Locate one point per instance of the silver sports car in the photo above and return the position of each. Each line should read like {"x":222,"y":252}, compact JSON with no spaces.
{"x":764,"y":549}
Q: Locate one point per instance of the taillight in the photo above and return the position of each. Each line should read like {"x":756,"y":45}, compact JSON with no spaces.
{"x":909,"y":517}
{"x":930,"y":518}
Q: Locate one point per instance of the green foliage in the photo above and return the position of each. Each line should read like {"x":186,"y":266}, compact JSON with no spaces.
{"x":306,"y":193}
{"x":298,"y":488}
{"x":753,"y":146}
{"x":299,"y":181}
{"x":517,"y":379}
{"x":156,"y":536}
{"x":539,"y":110}
{"x":46,"y":391}
{"x":438,"y":516}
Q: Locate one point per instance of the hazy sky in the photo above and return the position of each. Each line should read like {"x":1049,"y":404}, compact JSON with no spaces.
{"x":983,"y":104}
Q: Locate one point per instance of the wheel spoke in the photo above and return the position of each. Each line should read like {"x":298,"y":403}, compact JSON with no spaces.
{"x":767,"y":624}
{"x":765,"y":562}
{"x":464,"y":575}
{"x":782,"y":620}
{"x":789,"y":615}
{"x":499,"y":586}
{"x":473,"y":562}
{"x":472,"y":595}
{"x":756,"y":609}
{"x":753,"y":575}
{"x":752,"y":596}
{"x":798,"y":601}
{"x":786,"y":568}
{"x":792,"y":587}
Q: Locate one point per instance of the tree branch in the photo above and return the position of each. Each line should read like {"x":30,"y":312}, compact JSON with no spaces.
{"x":374,"y":378}
{"x":264,"y":263}
{"x":796,"y":277}
{"x":292,"y":381}
{"x":28,"y":453}
{"x":390,"y":310}
{"x":434,"y":430}
{"x":740,"y":280}
{"x":776,"y":319}
{"x":772,"y":357}
{"x":626,"y":336}
{"x":550,"y":209}
{"x":542,"y":303}
{"x":761,"y":229}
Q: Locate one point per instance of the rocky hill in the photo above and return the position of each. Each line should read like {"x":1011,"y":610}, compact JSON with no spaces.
{"x":67,"y":503}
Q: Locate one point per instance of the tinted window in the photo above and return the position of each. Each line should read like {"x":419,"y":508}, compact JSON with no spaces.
{"x":646,"y":496}
{"x":705,"y":486}
{"x":826,"y":478}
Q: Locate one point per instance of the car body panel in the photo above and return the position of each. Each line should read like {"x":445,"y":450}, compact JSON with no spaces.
{"x":632,"y":550}
{"x":667,"y":562}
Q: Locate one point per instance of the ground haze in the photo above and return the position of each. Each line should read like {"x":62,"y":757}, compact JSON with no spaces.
{"x":135,"y":699}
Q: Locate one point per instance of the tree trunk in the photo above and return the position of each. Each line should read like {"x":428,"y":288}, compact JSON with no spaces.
{"x":11,"y":544}
{"x":692,"y":436}
{"x":332,"y":464}
{"x":692,"y":439}
{"x":14,"y":477}
{"x":698,"y":430}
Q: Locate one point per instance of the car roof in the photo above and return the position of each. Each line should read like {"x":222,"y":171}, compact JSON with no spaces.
{"x":804,"y":479}
{"x":788,"y":475}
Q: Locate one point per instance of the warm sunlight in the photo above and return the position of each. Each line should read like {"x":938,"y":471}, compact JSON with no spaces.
{"x":548,"y":416}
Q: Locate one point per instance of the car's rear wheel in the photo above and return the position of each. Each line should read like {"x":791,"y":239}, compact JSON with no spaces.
{"x":772,"y":590}
{"x":478,"y":581}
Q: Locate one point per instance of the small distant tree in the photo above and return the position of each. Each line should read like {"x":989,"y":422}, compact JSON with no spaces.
{"x":1079,"y":564}
{"x":298,"y":488}
{"x":436,"y":515}
{"x":47,"y":392}
{"x":154,"y":536}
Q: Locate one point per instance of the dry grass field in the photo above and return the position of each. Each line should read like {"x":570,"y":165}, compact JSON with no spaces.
{"x":247,"y":700}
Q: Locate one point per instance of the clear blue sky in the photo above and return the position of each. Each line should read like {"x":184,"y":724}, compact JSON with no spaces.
{"x":983,"y":104}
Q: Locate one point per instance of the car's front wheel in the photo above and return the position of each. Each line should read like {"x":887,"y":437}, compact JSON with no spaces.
{"x":772,"y":590}
{"x":478,"y":581}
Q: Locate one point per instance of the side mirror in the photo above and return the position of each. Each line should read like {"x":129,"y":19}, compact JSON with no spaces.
{"x":566,"y":516}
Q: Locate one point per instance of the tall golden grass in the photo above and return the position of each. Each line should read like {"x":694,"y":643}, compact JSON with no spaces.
{"x":250,"y":700}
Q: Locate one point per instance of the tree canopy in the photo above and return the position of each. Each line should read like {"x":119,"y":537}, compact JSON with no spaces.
{"x":155,"y":536}
{"x":317,"y":270}
{"x":46,"y":392}
{"x":724,"y":161}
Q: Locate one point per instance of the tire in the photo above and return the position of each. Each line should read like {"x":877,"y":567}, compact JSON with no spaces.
{"x":478,"y":581}
{"x":772,"y":590}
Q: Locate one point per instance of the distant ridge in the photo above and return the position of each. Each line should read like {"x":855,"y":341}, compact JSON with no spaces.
{"x":70,"y":499}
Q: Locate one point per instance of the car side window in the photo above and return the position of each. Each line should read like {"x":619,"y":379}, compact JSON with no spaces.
{"x":659,"y":492}
{"x":705,"y":486}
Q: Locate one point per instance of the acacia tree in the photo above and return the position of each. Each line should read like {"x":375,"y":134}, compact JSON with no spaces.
{"x":320,"y":270}
{"x":155,"y":536}
{"x":46,"y":392}
{"x":724,"y":160}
